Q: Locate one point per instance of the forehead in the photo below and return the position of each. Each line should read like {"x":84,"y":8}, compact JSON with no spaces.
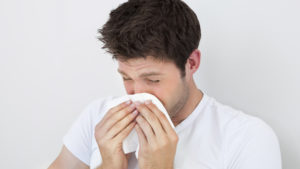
{"x":149,"y":66}
{"x":141,"y":65}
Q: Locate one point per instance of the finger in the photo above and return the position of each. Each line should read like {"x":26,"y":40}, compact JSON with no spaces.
{"x":124,"y":133}
{"x":161,"y":116}
{"x":117,"y":108}
{"x":123,"y":123}
{"x":117,"y":116}
{"x":141,"y":135}
{"x":146,"y":128}
{"x":151,"y":119}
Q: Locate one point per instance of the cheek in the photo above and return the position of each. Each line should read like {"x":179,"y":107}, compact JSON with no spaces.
{"x":127,"y":87}
{"x":168,"y":92}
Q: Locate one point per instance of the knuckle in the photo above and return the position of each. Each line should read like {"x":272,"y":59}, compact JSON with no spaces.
{"x":153,"y":107}
{"x":114,"y":118}
{"x":118,"y":116}
{"x":155,"y":149}
{"x":148,"y":128}
{"x":130,"y":117}
{"x":101,"y":141}
{"x":147,"y":149}
{"x":162,"y":116}
{"x":164,"y":143}
{"x":128,"y":110}
{"x":142,"y":108}
{"x":139,"y":118}
{"x":117,"y":125}
{"x":150,"y":117}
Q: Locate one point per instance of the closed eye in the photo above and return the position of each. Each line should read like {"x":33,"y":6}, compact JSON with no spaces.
{"x":153,"y":81}
{"x":126,"y":79}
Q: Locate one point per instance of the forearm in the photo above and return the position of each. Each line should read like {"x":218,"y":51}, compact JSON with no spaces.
{"x":100,"y":167}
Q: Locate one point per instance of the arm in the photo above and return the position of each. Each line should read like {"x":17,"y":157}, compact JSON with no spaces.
{"x":66,"y":160}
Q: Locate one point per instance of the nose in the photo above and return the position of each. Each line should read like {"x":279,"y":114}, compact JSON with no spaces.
{"x":139,"y":88}
{"x":134,"y":87}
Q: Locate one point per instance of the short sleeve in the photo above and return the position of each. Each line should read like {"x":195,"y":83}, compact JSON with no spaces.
{"x":78,"y":139}
{"x":254,"y":145}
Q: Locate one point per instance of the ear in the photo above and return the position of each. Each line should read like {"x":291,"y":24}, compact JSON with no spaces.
{"x":192,"y":63}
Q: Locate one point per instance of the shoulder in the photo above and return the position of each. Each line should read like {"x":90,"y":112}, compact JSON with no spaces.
{"x":231,"y":119}
{"x":235,"y":126}
{"x":244,"y":135}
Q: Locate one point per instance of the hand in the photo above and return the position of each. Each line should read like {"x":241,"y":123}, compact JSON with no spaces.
{"x":110,"y":133}
{"x":157,"y":138}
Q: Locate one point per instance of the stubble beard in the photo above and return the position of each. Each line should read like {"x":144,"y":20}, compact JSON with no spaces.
{"x":183,"y":97}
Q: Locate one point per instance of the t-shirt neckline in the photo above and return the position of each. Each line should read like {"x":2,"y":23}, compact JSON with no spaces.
{"x":193,"y":115}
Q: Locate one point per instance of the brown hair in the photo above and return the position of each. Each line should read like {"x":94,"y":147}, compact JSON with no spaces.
{"x":164,"y":29}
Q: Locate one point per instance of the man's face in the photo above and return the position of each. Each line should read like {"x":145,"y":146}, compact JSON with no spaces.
{"x":162,"y":79}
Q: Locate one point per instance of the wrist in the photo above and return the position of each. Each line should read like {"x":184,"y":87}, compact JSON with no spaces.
{"x":100,"y":167}
{"x":105,"y":167}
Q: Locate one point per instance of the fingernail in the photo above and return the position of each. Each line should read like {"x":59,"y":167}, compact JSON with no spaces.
{"x":135,"y":112}
{"x":128,"y":102}
{"x":132,"y":106}
{"x":148,"y":101}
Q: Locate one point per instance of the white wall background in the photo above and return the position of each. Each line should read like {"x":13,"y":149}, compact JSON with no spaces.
{"x":52,"y":66}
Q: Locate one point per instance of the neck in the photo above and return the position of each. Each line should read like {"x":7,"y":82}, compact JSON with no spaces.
{"x":193,"y":100}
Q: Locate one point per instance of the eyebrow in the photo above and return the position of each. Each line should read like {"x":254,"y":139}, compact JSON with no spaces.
{"x":143,"y":74}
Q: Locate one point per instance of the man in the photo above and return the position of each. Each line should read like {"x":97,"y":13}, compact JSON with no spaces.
{"x":155,"y":43}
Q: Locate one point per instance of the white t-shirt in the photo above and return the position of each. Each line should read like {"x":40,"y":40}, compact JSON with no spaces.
{"x":213,"y":136}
